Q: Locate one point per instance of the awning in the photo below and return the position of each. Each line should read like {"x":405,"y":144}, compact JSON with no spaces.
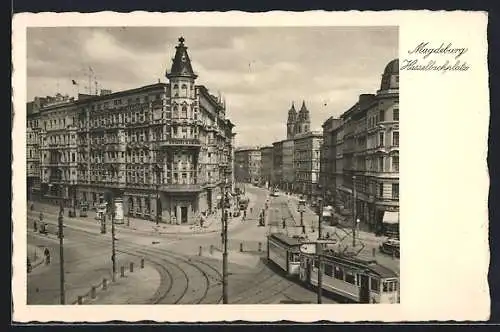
{"x":391,"y":217}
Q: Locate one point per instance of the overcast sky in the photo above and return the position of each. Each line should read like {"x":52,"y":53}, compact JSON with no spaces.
{"x":260,"y":71}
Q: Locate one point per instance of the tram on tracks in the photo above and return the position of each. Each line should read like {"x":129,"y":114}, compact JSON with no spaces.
{"x":351,"y":278}
{"x":284,"y":252}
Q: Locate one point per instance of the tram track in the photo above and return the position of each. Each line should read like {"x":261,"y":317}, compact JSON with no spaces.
{"x":170,"y":281}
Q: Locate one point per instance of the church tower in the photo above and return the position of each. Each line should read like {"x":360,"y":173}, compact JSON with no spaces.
{"x":304,"y":121}
{"x":290,"y":124}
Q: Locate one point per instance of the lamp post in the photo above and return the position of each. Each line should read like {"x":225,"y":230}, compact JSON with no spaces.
{"x":319,"y":249}
{"x":158,"y":178}
{"x":61,"y":255}
{"x":224,"y":240}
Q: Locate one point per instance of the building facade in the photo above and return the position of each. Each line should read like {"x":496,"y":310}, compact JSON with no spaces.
{"x":266,"y":165}
{"x":328,"y":165}
{"x":165,"y":148}
{"x":277,"y":174}
{"x":298,"y":122}
{"x":307,"y":163}
{"x":248,"y":165}
{"x":288,"y":167}
{"x":366,"y":153}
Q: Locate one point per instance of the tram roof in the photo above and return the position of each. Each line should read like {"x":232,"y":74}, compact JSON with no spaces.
{"x":368,"y":264}
{"x":290,"y":241}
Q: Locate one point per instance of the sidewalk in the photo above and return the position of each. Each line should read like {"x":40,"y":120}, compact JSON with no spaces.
{"x":138,"y":287}
{"x":212,"y":223}
{"x":35,"y":255}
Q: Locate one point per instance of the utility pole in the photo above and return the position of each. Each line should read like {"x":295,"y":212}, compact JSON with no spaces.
{"x":224,"y":243}
{"x":158,"y":178}
{"x":61,"y":254}
{"x":319,"y":250}
{"x":113,"y":239}
{"x":354,"y":223}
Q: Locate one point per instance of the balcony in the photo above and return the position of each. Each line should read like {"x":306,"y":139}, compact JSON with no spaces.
{"x":179,"y":187}
{"x":186,"y":142}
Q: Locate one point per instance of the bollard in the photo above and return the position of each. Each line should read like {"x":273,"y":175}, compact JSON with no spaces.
{"x":131,"y":267}
{"x":211,"y":249}
{"x":122,"y":271}
{"x":200,"y":252}
{"x":92,"y":292}
{"x":104,"y":283}
{"x":260,"y":246}
{"x":374,"y":252}
{"x":142,"y":263}
{"x":241,"y":246}
{"x":80,"y":300}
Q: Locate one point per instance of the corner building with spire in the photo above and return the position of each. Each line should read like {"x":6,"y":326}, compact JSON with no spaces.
{"x":166,"y":149}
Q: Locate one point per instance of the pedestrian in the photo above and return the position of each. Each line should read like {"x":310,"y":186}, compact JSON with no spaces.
{"x":284,"y":223}
{"x":251,"y":210}
{"x":29,"y":265}
{"x":47,"y":256}
{"x":35,"y":227}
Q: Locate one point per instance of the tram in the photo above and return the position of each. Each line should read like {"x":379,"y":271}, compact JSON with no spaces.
{"x":284,"y":252}
{"x":353,"y":279}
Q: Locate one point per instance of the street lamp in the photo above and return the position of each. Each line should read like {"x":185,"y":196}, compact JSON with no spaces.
{"x":158,"y":178}
{"x":320,"y":253}
{"x":224,"y":239}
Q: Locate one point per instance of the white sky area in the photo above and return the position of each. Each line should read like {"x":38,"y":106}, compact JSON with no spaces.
{"x":259,"y":71}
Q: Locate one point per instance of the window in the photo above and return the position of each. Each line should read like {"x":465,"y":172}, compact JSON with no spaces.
{"x":73,"y":157}
{"x":395,"y":138}
{"x":380,"y":164}
{"x":381,"y":139}
{"x":184,"y":112}
{"x":395,"y":190}
{"x":328,"y":270}
{"x":374,"y":285}
{"x":395,"y":114}
{"x":381,"y":116}
{"x":395,"y":163}
{"x":381,"y":190}
{"x":338,"y":273}
{"x":350,"y":278}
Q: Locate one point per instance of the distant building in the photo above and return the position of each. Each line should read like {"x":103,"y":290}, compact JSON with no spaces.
{"x":266,"y":165}
{"x":288,"y":167}
{"x":248,"y":165}
{"x":365,"y":142}
{"x":165,"y":148}
{"x":328,"y":163}
{"x":277,"y":174}
{"x":307,"y":163}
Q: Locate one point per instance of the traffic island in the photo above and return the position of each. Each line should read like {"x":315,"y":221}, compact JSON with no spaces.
{"x":135,"y":283}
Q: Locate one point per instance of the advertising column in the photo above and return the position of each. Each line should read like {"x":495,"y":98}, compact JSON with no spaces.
{"x":119,"y":211}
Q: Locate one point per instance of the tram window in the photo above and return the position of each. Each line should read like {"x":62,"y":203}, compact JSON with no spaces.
{"x":389,"y":286}
{"x":338,"y":273}
{"x":294,"y":258}
{"x":349,"y":277}
{"x":374,"y":284}
{"x":328,"y":270}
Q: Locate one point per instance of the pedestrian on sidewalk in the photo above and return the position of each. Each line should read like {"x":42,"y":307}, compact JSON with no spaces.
{"x":47,"y":256}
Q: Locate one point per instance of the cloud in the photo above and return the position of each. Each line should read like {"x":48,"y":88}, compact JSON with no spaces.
{"x":260,"y":70}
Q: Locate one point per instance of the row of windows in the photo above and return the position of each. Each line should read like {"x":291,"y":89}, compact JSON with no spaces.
{"x":354,"y":278}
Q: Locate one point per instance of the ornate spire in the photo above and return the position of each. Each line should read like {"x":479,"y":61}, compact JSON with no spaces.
{"x":292,"y":114}
{"x":304,"y":112}
{"x":181,"y":64}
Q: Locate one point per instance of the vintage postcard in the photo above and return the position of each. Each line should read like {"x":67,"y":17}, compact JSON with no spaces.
{"x":204,"y":167}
